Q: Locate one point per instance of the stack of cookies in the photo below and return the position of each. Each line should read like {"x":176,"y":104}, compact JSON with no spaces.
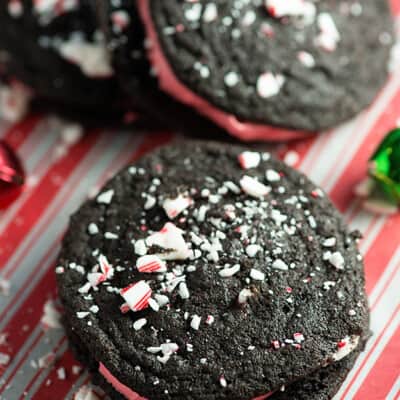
{"x":259,"y":69}
{"x":208,"y":271}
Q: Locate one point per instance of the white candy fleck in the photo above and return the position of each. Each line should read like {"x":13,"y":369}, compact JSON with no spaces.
{"x":337,"y":260}
{"x":183,"y":291}
{"x":229,"y":272}
{"x":269,"y":85}
{"x":231,"y":79}
{"x":280,"y":264}
{"x":93,"y":229}
{"x":253,"y":187}
{"x":244,"y":295}
{"x":105,"y":197}
{"x":252,"y":250}
{"x":272,"y":176}
{"x":330,"y":242}
{"x":139,"y":324}
{"x":195,"y":322}
{"x":140,"y":247}
{"x":257,"y":275}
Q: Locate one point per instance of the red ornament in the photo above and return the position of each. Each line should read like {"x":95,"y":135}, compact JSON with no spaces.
{"x":12,"y":175}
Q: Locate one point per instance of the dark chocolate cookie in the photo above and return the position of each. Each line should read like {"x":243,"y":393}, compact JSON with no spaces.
{"x":321,"y":385}
{"x":210,"y":272}
{"x":303,"y":65}
{"x":56,"y":48}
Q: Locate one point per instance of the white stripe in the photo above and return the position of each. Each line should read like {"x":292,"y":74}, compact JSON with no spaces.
{"x":394,"y":390}
{"x":379,"y":318}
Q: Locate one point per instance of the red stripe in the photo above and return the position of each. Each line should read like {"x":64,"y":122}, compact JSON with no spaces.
{"x":343,"y":191}
{"x":41,"y":196}
{"x":19,"y":132}
{"x":395,"y":6}
{"x":385,"y":372}
{"x":370,"y":352}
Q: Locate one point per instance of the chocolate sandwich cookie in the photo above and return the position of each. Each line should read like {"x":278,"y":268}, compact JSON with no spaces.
{"x":321,"y":385}
{"x":299,"y":65}
{"x":127,"y":43}
{"x":210,"y":272}
{"x":56,"y":48}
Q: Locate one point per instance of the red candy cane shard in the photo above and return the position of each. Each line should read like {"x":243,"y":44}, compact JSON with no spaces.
{"x":106,"y":267}
{"x":150,"y":263}
{"x":171,"y":239}
{"x":174,"y":207}
{"x":137,"y":295}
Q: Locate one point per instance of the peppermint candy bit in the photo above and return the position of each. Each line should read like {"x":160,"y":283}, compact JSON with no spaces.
{"x":150,"y":264}
{"x":249,"y":159}
{"x":244,"y":295}
{"x":174,"y":207}
{"x":253,"y":187}
{"x":137,"y":295}
{"x":171,"y":239}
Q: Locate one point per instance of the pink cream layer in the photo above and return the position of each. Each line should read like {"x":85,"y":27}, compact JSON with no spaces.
{"x":129,"y":393}
{"x":171,"y":85}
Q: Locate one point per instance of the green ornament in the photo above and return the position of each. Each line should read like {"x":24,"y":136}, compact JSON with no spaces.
{"x":384,"y":166}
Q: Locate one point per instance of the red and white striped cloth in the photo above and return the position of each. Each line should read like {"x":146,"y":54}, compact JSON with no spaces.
{"x":31,"y":228}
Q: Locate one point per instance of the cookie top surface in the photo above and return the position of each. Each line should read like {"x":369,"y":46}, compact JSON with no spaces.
{"x":256,"y":281}
{"x":305,"y":65}
{"x":57,"y":49}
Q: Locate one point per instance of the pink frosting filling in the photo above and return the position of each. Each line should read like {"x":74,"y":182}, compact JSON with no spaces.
{"x":170,"y":84}
{"x":129,"y":393}
{"x":117,"y":385}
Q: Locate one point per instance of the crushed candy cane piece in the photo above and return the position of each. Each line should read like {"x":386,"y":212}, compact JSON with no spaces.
{"x":51,"y":317}
{"x":171,"y":239}
{"x":253,"y":187}
{"x":244,"y":295}
{"x":337,"y":260}
{"x":137,"y":295}
{"x":150,"y":263}
{"x":105,"y":197}
{"x":257,"y":275}
{"x":139,"y":324}
{"x":249,"y":159}
{"x":345,"y":347}
{"x":174,"y":207}
{"x":195,"y":322}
